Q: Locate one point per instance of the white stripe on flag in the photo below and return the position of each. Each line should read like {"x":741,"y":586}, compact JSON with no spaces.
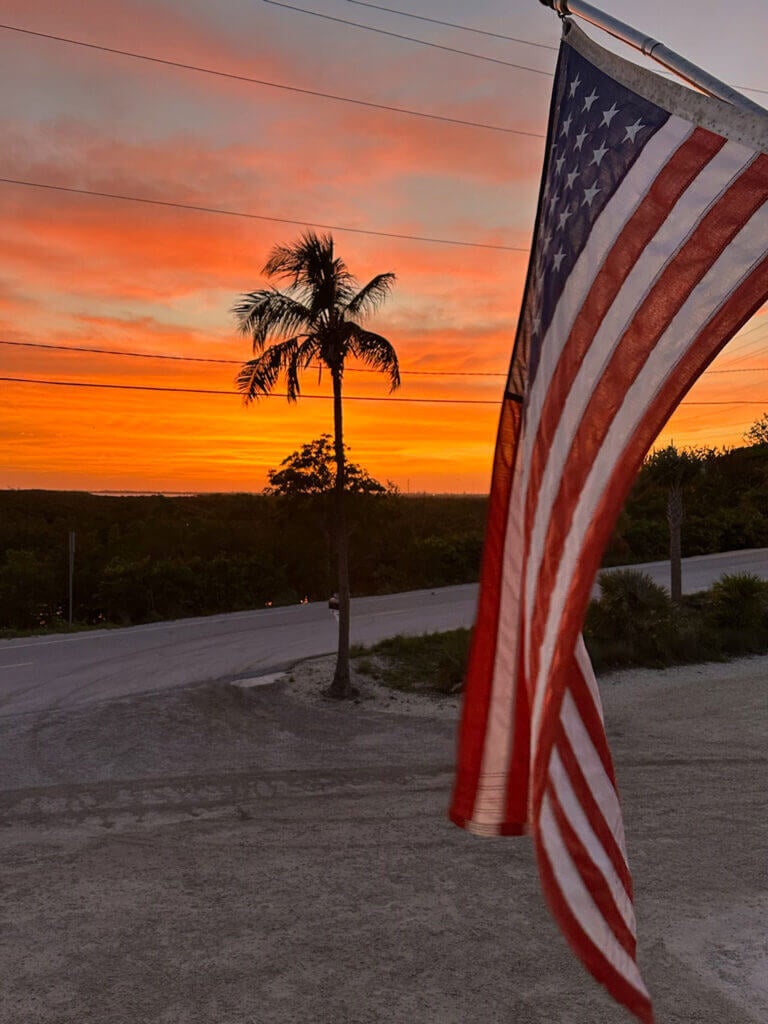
{"x":682,"y":221}
{"x":588,"y":673}
{"x":605,"y":231}
{"x":579,"y":822}
{"x":490,"y":800}
{"x":580,"y":902}
{"x":593,"y":770}
{"x":712,"y":292}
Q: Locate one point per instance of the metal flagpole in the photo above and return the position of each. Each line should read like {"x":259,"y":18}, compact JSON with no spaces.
{"x":658,"y":51}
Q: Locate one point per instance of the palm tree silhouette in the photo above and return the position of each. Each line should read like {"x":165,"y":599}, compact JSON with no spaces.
{"x":312,"y":324}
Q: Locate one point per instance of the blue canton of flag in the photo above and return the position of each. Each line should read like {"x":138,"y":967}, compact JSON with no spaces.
{"x":598,"y":129}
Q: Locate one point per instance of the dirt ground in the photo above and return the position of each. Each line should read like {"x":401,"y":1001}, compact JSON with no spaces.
{"x":220,"y":855}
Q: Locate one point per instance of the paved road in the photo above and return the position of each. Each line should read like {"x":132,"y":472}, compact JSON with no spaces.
{"x":70,"y":670}
{"x":46,"y":672}
{"x":701,"y":572}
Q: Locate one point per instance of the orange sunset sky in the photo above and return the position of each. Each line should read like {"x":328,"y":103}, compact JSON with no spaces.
{"x":81,"y":271}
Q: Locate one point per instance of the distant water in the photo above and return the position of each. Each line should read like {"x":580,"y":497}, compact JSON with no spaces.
{"x":152,"y":494}
{"x":202,"y":494}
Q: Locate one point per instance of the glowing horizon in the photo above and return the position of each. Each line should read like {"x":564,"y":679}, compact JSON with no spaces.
{"x":89,"y":272}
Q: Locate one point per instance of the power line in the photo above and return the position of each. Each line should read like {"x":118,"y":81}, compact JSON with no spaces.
{"x":452,"y":24}
{"x":411,"y":39}
{"x":272,"y":85}
{"x":326,"y":398}
{"x":232,"y":394}
{"x":741,"y":88}
{"x":240,"y":362}
{"x":749,"y":351}
{"x":232,"y":362}
{"x":119,"y":352}
{"x":259,"y":216}
{"x":741,"y":369}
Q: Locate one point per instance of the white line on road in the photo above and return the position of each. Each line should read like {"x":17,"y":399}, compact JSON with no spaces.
{"x":18,"y":664}
{"x":65,"y":640}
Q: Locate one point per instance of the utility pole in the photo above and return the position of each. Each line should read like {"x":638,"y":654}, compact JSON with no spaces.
{"x":71,"y":570}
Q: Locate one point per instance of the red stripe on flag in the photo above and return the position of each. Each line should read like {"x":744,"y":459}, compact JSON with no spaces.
{"x":673,"y":180}
{"x":661,"y":304}
{"x":592,"y":810}
{"x":593,"y":959}
{"x":591,"y":719}
{"x":743,"y":302}
{"x":593,"y":878}
{"x":517,"y":781}
{"x":477,"y":691}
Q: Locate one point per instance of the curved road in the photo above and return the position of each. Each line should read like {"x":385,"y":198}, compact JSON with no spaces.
{"x":42,"y":673}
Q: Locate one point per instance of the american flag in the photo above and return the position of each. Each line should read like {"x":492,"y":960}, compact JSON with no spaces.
{"x":650,"y":251}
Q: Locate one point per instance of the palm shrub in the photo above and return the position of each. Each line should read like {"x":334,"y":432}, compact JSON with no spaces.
{"x":738,"y":612}
{"x":632,"y":623}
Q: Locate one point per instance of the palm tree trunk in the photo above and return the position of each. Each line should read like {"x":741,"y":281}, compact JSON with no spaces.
{"x":341,"y":687}
{"x":675,"y":519}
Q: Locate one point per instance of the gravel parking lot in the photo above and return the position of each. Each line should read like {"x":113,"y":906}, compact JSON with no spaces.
{"x":214,"y":854}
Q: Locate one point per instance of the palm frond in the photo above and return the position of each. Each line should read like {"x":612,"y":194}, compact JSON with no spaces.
{"x":369,"y":298}
{"x":309,"y":351}
{"x":267,"y":312}
{"x":321,"y":279}
{"x":375,"y":351}
{"x":258,"y":376}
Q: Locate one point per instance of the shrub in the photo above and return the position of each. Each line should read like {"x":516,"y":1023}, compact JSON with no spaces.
{"x":632,"y":623}
{"x":433,"y":662}
{"x":738,"y":612}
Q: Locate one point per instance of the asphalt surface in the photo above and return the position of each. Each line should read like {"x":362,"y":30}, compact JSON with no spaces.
{"x":70,"y":670}
{"x":700,"y":573}
{"x":78,"y":668}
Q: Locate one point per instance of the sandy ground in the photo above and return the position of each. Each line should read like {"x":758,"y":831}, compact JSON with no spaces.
{"x":250,"y":856}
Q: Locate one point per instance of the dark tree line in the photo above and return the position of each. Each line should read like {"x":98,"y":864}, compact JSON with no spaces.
{"x":723,"y":498}
{"x":143,"y":559}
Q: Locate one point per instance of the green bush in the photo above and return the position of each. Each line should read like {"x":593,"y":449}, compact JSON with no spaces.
{"x":635,"y":623}
{"x":738,"y":613}
{"x":632,"y":623}
{"x":433,"y":662}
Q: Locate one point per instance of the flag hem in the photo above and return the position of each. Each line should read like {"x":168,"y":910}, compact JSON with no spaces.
{"x":705,"y":111}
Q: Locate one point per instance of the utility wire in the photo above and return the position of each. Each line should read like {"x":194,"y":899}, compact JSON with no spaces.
{"x":282,"y":394}
{"x":450,"y":49}
{"x":452,"y":24}
{"x":272,"y":85}
{"x":273,"y":394}
{"x":232,"y":362}
{"x":259,"y":216}
{"x":240,"y":362}
{"x":119,"y":352}
{"x":411,"y":39}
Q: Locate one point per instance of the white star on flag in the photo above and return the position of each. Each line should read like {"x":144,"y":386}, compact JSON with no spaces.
{"x":632,"y":130}
{"x":598,"y":155}
{"x":608,"y":115}
{"x":588,"y":101}
{"x":590,"y":193}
